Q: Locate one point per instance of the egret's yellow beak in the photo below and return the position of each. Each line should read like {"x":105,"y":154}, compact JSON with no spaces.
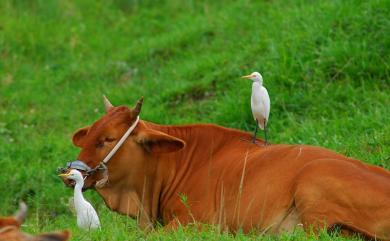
{"x":246,"y":77}
{"x":64,"y":175}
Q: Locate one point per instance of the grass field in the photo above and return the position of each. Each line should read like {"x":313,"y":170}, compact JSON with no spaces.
{"x":326,"y":65}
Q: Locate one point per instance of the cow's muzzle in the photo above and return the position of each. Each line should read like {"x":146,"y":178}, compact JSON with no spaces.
{"x":86,"y":170}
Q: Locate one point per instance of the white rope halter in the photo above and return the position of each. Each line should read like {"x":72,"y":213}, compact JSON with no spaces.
{"x":102,"y":182}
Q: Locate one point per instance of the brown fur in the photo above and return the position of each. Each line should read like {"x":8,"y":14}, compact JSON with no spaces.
{"x":9,"y":221}
{"x":231,"y":182}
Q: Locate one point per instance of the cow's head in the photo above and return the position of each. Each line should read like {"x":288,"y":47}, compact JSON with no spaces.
{"x":10,"y":229}
{"x":98,"y":139}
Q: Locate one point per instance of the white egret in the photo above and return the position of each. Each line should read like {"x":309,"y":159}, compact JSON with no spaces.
{"x":87,"y":217}
{"x":260,"y":103}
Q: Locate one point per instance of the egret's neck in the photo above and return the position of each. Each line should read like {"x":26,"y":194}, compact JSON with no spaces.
{"x":259,"y":81}
{"x":78,"y":190}
{"x":256,"y":86}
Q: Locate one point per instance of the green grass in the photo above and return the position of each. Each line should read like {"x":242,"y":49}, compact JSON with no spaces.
{"x":326,"y":65}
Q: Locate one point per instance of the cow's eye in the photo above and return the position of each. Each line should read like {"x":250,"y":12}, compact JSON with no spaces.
{"x":109,"y":139}
{"x":100,"y":144}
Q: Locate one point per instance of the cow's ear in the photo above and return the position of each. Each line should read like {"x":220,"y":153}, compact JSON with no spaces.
{"x":79,"y":135}
{"x":59,"y":236}
{"x":157,"y":142}
{"x":9,"y":221}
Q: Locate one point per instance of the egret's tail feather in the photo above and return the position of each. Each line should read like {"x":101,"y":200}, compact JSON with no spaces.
{"x":262,"y":124}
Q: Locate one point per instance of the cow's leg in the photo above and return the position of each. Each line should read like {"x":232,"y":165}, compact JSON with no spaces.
{"x":173,"y":225}
{"x":332,"y":193}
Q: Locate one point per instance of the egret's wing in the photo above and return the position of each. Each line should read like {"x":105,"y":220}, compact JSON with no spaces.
{"x":93,"y":217}
{"x":266,"y":101}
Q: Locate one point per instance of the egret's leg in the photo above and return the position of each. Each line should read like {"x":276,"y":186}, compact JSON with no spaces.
{"x":254,"y":134}
{"x":265,"y":133}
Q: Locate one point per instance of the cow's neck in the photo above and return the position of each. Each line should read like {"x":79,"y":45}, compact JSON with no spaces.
{"x":140,"y":202}
{"x":176,"y":167}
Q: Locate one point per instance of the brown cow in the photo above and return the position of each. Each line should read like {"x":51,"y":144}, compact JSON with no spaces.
{"x":10,"y":229}
{"x":210,"y":174}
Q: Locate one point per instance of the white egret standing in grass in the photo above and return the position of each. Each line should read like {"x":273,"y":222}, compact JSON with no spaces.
{"x":87,"y":217}
{"x":260,"y":103}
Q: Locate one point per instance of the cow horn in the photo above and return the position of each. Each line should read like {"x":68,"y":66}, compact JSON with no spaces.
{"x":20,"y":216}
{"x":107,"y":104}
{"x":138,"y":106}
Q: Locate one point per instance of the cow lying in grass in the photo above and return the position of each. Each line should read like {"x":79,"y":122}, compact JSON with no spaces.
{"x":10,"y":229}
{"x":208,"y":174}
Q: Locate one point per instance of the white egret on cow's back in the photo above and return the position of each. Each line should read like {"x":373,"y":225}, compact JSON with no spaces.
{"x":87,"y":217}
{"x":260,"y":103}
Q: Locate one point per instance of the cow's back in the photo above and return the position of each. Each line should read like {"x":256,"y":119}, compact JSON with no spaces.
{"x":233,"y":182}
